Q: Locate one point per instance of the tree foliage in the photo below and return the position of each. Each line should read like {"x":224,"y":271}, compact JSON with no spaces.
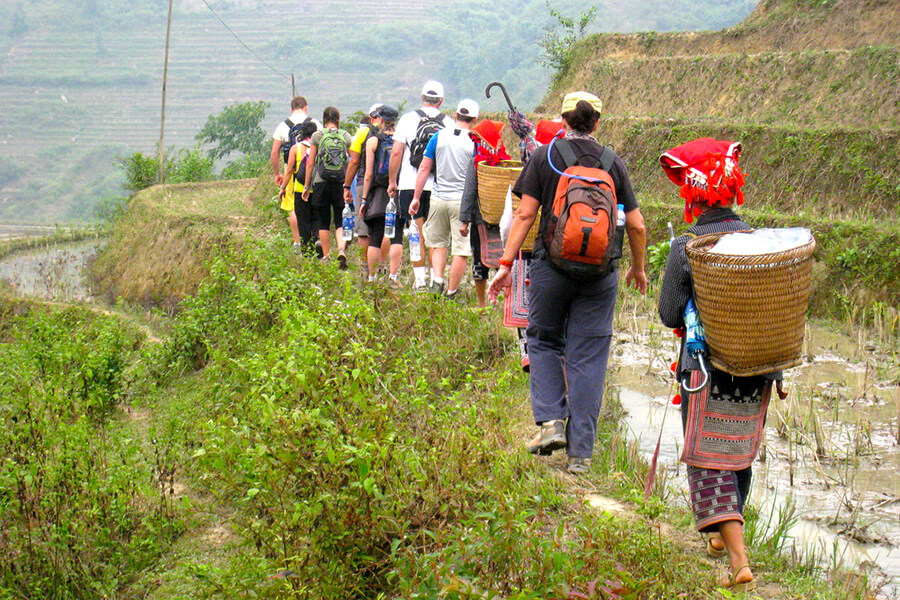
{"x":236,"y":129}
{"x":558,"y":42}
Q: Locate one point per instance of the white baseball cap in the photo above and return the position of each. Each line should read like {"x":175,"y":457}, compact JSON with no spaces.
{"x":433,"y":89}
{"x":467,"y":108}
{"x":373,"y":110}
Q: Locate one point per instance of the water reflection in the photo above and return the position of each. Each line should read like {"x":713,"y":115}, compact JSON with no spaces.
{"x":50,"y":273}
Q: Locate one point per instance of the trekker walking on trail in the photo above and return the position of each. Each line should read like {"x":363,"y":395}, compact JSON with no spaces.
{"x":374,"y":197}
{"x":368,"y":126}
{"x":719,"y":480}
{"x":449,"y":154}
{"x":413,"y":132}
{"x":287,"y":133}
{"x":292,"y":189}
{"x":323,"y":187}
{"x":572,"y":302}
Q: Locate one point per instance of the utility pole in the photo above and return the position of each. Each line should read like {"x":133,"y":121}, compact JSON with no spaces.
{"x":162,"y":120}
{"x":293,"y":86}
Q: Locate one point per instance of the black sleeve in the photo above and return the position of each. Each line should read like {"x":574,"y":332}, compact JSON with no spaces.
{"x":676,"y":287}
{"x":529,"y":181}
{"x":624,"y":190}
{"x":469,"y":203}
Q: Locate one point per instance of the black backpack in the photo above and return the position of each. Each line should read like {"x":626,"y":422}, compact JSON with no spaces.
{"x":426,"y":128}
{"x":381,"y":168}
{"x":293,"y":136}
{"x":362,"y":155}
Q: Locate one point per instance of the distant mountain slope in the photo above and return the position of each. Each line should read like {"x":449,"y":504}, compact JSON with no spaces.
{"x":81,"y":82}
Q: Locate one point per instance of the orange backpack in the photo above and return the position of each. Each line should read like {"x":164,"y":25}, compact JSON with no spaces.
{"x":581,"y":237}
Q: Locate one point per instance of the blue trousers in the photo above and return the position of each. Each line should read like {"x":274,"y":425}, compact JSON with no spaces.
{"x":569,"y":333}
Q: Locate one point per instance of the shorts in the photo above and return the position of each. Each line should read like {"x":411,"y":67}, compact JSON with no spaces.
{"x":327,"y":200}
{"x":479,"y":271}
{"x":442,"y":227}
{"x":404,"y":197}
{"x":287,"y":202}
{"x":361,"y":229}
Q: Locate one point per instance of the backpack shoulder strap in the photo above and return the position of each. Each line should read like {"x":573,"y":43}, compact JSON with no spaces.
{"x":422,"y":114}
{"x":289,"y":123}
{"x":607,"y":158}
{"x":565,"y":151}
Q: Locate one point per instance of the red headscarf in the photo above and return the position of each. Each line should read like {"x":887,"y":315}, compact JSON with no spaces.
{"x":488,"y":143}
{"x":546,"y":131}
{"x":707,"y":171}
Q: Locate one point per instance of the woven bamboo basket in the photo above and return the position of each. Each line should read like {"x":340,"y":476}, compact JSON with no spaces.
{"x":753,"y":308}
{"x":493,"y":182}
{"x":528,"y":242}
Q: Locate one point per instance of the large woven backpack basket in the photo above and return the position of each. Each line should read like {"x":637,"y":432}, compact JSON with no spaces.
{"x":493,"y":183}
{"x":753,"y":308}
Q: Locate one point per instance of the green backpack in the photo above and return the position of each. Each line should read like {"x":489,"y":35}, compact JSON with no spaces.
{"x":331,"y":156}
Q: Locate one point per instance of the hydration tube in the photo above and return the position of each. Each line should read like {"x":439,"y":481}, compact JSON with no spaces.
{"x":571,"y":175}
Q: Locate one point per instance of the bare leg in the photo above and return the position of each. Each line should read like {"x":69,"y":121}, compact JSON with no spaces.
{"x":295,"y":230}
{"x":396,"y":256}
{"x":457,"y":272}
{"x":438,"y":263}
{"x":363,"y":249}
{"x":733,"y":536}
{"x":325,"y":240}
{"x":341,"y":242}
{"x":481,"y":292}
{"x":420,"y":223}
{"x":374,"y":258}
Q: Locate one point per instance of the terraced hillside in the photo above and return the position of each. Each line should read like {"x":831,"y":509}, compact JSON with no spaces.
{"x":81,"y":82}
{"x":811,"y":89}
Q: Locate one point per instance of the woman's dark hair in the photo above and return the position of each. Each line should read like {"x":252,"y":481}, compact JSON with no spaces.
{"x":583,"y":118}
{"x":366,"y":120}
{"x":307,"y":129}
{"x":331,"y":115}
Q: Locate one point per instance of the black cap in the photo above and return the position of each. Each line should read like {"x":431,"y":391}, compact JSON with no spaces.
{"x":388,"y":113}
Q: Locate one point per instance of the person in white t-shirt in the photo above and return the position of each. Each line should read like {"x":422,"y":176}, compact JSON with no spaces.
{"x":281,"y":143}
{"x":449,"y":155}
{"x":402,"y":171}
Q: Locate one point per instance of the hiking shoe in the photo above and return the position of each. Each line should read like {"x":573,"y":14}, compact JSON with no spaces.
{"x":437,"y":288}
{"x":552,"y":437}
{"x":319,"y":252}
{"x":578,"y":466}
{"x":394,"y":284}
{"x":342,"y":261}
{"x":455,"y":295}
{"x":297,"y":247}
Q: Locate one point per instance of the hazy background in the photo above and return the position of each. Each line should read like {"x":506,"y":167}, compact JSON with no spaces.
{"x":80,"y":83}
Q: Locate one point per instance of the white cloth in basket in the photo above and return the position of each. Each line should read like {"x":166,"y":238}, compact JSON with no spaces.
{"x":762,"y":241}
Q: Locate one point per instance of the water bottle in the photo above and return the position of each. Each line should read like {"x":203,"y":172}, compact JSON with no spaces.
{"x":347,"y":222}
{"x":694,"y":337}
{"x":621,"y":217}
{"x":390,"y":219}
{"x":415,"y":251}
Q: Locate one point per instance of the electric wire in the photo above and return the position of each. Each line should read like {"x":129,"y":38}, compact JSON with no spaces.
{"x":250,"y":50}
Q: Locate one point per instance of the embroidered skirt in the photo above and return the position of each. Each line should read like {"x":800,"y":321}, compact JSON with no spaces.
{"x":723,"y":428}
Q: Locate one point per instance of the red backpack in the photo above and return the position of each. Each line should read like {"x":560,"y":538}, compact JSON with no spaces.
{"x":581,"y":237}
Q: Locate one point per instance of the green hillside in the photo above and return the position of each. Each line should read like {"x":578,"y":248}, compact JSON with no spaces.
{"x":81,"y":82}
{"x":811,"y":89}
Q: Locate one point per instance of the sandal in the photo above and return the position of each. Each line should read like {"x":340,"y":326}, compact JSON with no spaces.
{"x":711,"y":550}
{"x":730,"y":582}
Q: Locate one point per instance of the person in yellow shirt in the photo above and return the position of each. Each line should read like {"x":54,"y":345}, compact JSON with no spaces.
{"x":298,"y":211}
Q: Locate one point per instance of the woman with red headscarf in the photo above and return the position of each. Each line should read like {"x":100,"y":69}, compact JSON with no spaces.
{"x":719,"y":474}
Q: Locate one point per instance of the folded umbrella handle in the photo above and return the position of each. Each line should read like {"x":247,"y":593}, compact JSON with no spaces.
{"x":487,"y":92}
{"x":685,"y":384}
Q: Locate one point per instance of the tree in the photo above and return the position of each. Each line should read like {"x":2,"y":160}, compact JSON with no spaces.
{"x":236,"y":129}
{"x":558,"y":42}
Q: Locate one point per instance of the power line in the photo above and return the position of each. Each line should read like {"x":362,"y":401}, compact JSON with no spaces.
{"x":257,"y":56}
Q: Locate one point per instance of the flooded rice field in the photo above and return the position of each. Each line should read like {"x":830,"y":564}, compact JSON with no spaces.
{"x":832,"y":448}
{"x":53,"y":272}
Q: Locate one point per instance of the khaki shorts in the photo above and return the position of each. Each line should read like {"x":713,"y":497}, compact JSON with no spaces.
{"x":442,"y":227}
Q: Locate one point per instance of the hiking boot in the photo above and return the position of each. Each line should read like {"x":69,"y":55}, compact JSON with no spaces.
{"x":342,"y":261}
{"x":552,"y":437}
{"x":455,"y":295}
{"x":319,"y":252}
{"x":578,"y":466}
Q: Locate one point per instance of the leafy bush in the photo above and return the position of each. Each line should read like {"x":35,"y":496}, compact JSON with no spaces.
{"x":77,"y":517}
